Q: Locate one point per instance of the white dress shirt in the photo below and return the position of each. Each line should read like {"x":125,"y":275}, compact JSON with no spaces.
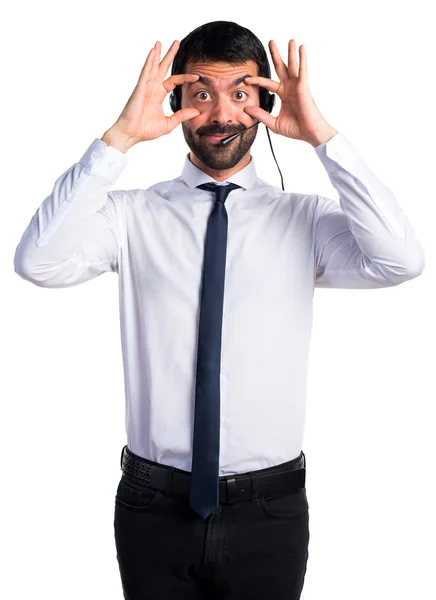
{"x":280,"y":246}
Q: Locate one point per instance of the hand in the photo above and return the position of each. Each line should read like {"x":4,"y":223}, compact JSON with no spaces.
{"x":143,"y":118}
{"x":299,"y":117}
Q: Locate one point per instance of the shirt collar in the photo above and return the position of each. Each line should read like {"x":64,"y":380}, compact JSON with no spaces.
{"x":193,"y":176}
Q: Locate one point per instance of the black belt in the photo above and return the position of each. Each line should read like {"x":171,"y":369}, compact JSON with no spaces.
{"x":273,"y":481}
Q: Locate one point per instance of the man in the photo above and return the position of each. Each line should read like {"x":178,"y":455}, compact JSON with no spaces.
{"x":217,"y":271}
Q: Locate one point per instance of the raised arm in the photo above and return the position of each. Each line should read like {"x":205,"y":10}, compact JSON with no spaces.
{"x":365,"y":240}
{"x":75,"y":234}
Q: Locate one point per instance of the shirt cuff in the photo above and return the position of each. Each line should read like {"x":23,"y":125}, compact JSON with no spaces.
{"x":103,"y":160}
{"x":336,"y":153}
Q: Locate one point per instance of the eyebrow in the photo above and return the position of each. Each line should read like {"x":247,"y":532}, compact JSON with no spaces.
{"x":208,"y":82}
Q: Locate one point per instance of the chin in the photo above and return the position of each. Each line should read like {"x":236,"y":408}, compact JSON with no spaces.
{"x":216,"y":156}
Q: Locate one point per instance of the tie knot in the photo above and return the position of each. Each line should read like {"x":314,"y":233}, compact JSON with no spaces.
{"x":221,"y":191}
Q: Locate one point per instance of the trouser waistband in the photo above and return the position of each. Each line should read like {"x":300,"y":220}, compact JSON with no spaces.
{"x":277,"y":480}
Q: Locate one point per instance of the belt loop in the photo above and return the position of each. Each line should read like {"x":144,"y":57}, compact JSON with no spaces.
{"x":254,"y":494}
{"x":121,"y":459}
{"x":232,"y":492}
{"x":169,"y":480}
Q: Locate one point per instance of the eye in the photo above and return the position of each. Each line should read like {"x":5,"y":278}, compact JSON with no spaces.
{"x":237,"y":92}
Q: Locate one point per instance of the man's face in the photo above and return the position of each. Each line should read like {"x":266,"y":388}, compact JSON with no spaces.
{"x":221,"y":103}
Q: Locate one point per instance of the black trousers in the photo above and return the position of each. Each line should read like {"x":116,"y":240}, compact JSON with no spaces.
{"x":254,"y":549}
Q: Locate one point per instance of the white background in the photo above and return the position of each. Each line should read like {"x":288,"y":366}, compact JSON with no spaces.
{"x":68,"y":71}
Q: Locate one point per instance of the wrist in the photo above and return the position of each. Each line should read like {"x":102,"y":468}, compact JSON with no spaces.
{"x":117,"y":139}
{"x":322,"y":137}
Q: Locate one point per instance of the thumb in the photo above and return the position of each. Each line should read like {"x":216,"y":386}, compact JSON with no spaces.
{"x":184,"y":114}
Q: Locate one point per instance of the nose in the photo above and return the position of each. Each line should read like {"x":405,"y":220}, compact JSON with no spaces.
{"x":223,"y":111}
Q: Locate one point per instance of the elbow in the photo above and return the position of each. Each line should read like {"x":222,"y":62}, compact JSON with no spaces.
{"x":22,"y":265}
{"x":410,"y":264}
{"x":406,"y":267}
{"x":25,"y":271}
{"x":416,"y":266}
{"x":415,"y":270}
{"x":40,"y":274}
{"x":56,"y":273}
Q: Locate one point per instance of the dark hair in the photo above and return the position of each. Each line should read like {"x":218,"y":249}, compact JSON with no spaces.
{"x":223,"y":41}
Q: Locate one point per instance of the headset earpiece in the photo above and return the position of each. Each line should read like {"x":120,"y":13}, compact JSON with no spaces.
{"x":173,"y":100}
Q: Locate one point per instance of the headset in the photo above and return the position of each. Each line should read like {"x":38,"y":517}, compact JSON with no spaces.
{"x":266,"y":101}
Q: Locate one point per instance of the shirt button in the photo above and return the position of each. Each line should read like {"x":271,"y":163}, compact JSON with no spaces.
{"x":96,"y":155}
{"x":111,"y":163}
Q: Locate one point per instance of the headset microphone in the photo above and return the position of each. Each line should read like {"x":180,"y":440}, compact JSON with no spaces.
{"x":226,"y":140}
{"x":232,"y":137}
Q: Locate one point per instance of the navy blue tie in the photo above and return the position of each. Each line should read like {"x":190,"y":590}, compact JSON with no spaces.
{"x":204,"y":492}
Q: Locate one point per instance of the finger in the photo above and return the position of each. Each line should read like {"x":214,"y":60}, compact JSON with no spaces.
{"x":184,"y":114}
{"x":170,"y":83}
{"x":262,"y":115}
{"x":302,"y":74}
{"x":168,"y":58}
{"x":280,"y":67}
{"x":156,"y":58}
{"x":292,"y":59}
{"x":269,"y":84}
{"x":146,"y":67}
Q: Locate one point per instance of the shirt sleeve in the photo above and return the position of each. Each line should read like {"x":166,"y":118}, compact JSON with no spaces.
{"x":365,"y":241}
{"x":74,"y":235}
